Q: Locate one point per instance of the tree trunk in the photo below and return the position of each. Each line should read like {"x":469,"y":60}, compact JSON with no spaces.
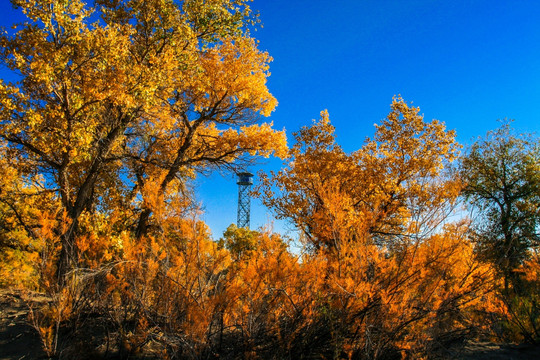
{"x":142,"y":225}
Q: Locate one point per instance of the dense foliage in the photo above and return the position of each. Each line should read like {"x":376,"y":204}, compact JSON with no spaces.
{"x":116,"y":107}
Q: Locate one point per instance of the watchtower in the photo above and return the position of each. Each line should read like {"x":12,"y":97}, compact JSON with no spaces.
{"x":245,"y":180}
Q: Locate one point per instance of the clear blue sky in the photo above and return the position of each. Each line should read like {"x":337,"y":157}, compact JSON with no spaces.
{"x":467,"y":63}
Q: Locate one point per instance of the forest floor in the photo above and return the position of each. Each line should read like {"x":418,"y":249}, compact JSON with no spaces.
{"x":20,"y":341}
{"x":490,"y":351}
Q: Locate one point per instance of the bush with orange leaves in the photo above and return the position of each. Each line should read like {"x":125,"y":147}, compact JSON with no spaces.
{"x":189,"y":300}
{"x":379,"y":277}
{"x":397,"y":281}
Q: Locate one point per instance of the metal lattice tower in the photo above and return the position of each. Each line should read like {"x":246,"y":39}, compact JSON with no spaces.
{"x":245,"y":180}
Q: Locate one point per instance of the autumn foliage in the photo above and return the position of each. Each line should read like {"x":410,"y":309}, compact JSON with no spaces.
{"x":117,"y":107}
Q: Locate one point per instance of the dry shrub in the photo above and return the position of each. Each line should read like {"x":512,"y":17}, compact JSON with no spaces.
{"x":186,"y":299}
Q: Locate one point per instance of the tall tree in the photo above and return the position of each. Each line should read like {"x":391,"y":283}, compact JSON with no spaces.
{"x":501,"y":173}
{"x":389,"y":191}
{"x":117,"y":104}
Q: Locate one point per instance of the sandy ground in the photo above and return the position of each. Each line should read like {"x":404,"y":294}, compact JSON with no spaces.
{"x":491,"y":351}
{"x":20,"y":341}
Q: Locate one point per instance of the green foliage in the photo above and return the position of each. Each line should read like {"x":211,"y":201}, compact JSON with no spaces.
{"x":501,"y":173}
{"x":239,"y":241}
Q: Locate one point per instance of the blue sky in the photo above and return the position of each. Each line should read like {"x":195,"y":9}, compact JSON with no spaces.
{"x":467,"y":63}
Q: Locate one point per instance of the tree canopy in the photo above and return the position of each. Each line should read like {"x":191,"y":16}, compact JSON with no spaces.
{"x":501,"y":172}
{"x":389,"y":191}
{"x":117,"y":104}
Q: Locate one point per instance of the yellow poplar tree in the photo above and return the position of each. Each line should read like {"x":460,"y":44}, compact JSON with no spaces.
{"x":118,"y":103}
{"x":393,"y":189}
